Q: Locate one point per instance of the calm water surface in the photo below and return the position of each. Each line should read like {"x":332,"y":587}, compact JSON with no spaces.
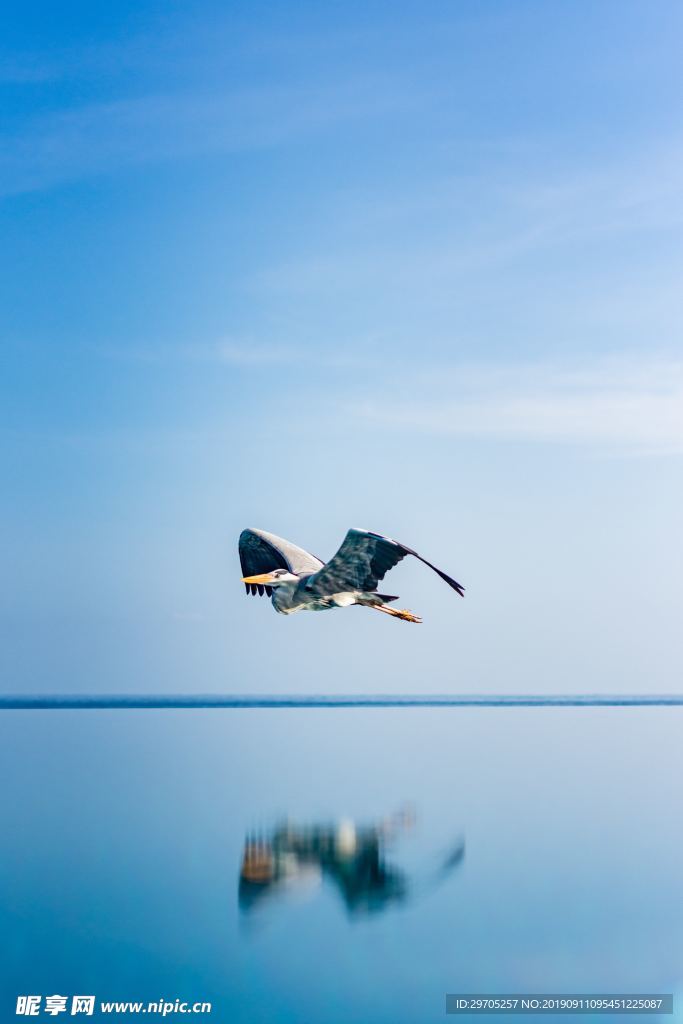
{"x":340,"y":864}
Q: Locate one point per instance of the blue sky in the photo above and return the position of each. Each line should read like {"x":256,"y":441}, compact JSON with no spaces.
{"x":304,"y":266}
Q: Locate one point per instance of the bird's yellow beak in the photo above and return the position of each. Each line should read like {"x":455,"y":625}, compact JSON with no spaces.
{"x":264,"y":577}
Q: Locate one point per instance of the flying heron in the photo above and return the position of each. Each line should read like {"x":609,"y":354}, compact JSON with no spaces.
{"x":297,"y":581}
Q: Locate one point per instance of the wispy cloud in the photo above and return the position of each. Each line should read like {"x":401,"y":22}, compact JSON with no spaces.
{"x":617,"y":405}
{"x":259,"y":355}
{"x":631,"y":405}
{"x":253,"y":355}
{"x":103,"y":137}
{"x":28,"y":70}
{"x":435,"y":232}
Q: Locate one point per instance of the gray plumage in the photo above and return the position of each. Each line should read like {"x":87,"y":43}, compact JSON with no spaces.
{"x":296,"y":580}
{"x":261,"y":552}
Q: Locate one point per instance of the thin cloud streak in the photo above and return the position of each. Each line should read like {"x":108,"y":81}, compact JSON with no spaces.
{"x":257,"y":356}
{"x":482,"y":223}
{"x":637,"y":410}
{"x":103,"y":137}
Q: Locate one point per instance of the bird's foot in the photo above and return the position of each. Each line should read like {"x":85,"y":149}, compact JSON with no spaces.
{"x":398,"y":613}
{"x":403,"y":613}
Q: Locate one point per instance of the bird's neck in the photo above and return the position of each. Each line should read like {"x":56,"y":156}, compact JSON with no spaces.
{"x":284,"y":597}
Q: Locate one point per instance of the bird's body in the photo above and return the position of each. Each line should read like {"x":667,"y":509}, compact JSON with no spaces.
{"x":298,"y":581}
{"x":292,"y":597}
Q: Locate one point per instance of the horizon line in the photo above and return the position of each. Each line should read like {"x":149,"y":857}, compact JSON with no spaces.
{"x":46,"y":702}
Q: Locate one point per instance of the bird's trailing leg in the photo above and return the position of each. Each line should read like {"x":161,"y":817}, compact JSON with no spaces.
{"x":398,"y":613}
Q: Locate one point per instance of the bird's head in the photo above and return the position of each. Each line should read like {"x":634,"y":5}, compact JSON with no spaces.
{"x":276,"y":578}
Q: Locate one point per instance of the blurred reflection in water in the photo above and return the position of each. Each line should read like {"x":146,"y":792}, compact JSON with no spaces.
{"x":350,"y":855}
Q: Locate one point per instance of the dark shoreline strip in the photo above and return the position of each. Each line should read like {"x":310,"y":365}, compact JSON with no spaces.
{"x":108,"y":702}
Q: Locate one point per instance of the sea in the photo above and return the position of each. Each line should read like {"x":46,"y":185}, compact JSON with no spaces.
{"x":324,"y":861}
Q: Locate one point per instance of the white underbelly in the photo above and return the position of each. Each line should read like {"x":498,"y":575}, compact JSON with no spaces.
{"x":287,"y":603}
{"x":324,"y":603}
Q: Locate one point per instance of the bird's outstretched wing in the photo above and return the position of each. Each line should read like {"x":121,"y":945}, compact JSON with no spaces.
{"x":362,"y":561}
{"x":262,"y":552}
